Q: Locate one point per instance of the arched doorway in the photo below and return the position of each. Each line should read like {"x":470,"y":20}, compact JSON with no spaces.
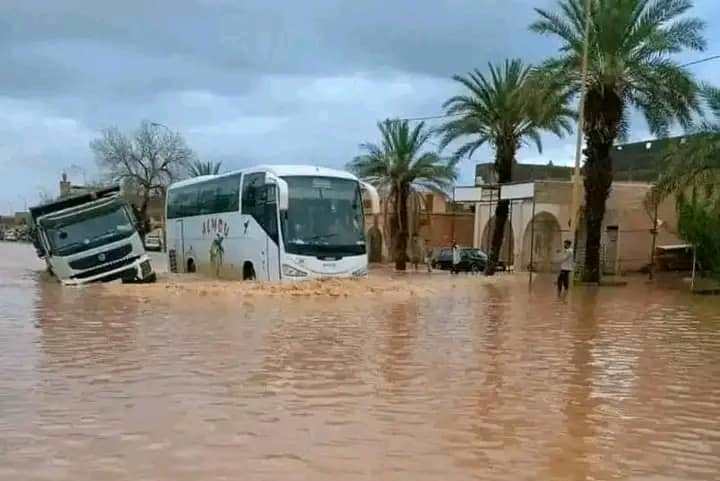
{"x":548,"y":241}
{"x":507,"y":251}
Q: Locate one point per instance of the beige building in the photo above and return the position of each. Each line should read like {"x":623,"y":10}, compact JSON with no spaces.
{"x":434,"y":222}
{"x":627,"y":231}
{"x":626,"y":234}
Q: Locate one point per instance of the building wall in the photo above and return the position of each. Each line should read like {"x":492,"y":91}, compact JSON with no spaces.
{"x":626,"y":249}
{"x":434,"y":231}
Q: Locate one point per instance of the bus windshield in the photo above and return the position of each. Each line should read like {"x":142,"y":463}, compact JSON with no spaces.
{"x":87,"y":229}
{"x":324,"y":218}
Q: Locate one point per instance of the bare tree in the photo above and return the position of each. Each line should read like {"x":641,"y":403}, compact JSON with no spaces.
{"x":148,"y":161}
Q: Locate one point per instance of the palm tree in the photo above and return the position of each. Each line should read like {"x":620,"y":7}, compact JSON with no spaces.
{"x":694,"y":165}
{"x":629,"y":65}
{"x":198,"y":168}
{"x":399,"y":166}
{"x":505,"y":110}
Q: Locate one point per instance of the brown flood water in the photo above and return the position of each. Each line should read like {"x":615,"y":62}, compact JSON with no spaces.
{"x":482,"y":380}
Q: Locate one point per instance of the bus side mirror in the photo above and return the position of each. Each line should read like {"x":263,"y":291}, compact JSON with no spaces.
{"x":373,"y":196}
{"x":282,"y":191}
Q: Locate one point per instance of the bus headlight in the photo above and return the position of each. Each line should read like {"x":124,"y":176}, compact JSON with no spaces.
{"x":360,"y":272}
{"x":290,"y":271}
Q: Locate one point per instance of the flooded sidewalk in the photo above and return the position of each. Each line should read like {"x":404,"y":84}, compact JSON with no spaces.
{"x":417,"y":377}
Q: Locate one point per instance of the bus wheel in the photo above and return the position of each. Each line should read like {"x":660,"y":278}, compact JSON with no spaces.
{"x":248,"y":272}
{"x":190,"y":266}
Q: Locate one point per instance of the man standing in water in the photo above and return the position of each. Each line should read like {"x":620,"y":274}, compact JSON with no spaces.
{"x":567,"y":265}
{"x":455,"y":258}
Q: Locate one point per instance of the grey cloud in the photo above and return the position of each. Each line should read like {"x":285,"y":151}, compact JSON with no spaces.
{"x":245,"y":81}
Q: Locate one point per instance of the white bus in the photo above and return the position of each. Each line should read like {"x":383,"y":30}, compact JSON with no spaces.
{"x":270,"y":223}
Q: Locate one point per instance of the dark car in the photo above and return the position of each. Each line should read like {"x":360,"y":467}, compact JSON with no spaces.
{"x":471,"y":260}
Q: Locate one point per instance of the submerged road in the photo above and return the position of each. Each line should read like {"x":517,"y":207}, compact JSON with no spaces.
{"x":479,"y":380}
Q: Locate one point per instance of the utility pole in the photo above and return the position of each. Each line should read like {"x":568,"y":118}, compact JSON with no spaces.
{"x":452,"y":212}
{"x":654,"y":233}
{"x":580,"y":125}
{"x":164,"y":194}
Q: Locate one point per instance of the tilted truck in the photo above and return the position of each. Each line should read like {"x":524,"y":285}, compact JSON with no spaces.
{"x":92,"y":237}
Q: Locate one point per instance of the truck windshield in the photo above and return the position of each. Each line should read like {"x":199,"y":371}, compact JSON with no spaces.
{"x":88,"y":229}
{"x":324,"y":218}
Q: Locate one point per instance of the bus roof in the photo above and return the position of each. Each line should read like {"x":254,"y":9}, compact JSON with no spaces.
{"x":288,"y":170}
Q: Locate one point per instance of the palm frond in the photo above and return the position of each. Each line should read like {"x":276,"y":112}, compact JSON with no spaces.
{"x":508,"y":106}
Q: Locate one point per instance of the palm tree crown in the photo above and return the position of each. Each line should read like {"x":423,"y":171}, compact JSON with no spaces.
{"x":629,"y":45}
{"x":399,"y":161}
{"x":504,"y":110}
{"x":694,"y":165}
{"x":198,"y":168}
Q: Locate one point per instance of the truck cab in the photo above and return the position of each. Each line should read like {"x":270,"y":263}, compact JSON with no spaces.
{"x":91,"y":238}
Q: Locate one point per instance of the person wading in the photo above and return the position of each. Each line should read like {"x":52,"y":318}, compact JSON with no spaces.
{"x":428,"y":258}
{"x":567,"y":264}
{"x":455,"y":258}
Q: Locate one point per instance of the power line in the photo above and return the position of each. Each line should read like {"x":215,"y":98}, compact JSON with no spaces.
{"x":702,"y":60}
{"x":445,"y":116}
{"x":430,"y":117}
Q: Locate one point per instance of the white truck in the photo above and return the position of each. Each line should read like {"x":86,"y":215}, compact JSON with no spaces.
{"x":90,"y":237}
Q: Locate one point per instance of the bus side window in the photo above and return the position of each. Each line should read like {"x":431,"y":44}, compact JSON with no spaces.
{"x":258,"y":200}
{"x":251,"y":184}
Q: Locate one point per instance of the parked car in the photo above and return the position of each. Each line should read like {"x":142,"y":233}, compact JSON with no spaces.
{"x":471,"y":260}
{"x":153,"y":242}
{"x":10,"y":235}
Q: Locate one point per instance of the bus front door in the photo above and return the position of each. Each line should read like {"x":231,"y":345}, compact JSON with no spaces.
{"x":180,"y":246}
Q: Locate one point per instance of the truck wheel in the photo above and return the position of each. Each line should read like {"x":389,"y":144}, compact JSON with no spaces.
{"x":152,"y":278}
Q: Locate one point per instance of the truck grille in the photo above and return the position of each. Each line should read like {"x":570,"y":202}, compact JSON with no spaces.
{"x":105,"y":268}
{"x":101,"y":258}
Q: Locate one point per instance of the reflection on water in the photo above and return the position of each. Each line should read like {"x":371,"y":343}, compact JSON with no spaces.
{"x":481,"y":381}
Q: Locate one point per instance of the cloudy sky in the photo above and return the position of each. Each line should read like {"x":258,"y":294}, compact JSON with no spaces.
{"x":247,"y":82}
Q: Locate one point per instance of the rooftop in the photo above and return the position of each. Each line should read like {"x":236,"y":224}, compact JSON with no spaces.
{"x":636,"y":161}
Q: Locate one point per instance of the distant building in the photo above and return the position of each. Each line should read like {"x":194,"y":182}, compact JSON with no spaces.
{"x":633,"y":162}
{"x":485,"y":173}
{"x":434,"y":222}
{"x":67,"y":189}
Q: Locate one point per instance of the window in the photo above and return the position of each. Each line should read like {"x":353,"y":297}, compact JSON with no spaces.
{"x":182,"y":202}
{"x":206,"y":199}
{"x":227,"y":194}
{"x":210,"y":197}
{"x":253,"y":185}
{"x":259,"y":200}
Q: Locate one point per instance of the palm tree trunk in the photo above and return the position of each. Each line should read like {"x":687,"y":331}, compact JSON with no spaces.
{"x":144,"y":219}
{"x":402,"y":237}
{"x":498,"y":234}
{"x":603,"y":115}
{"x":504,"y":158}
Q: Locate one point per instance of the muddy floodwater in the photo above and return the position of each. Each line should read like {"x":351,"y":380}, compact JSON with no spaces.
{"x":460,"y":379}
